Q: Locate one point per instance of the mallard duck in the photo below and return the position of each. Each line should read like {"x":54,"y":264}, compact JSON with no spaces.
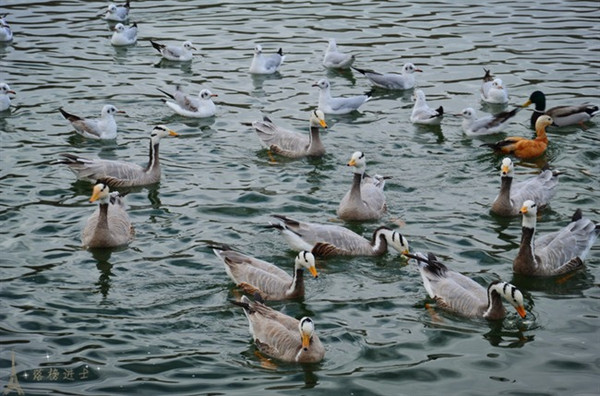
{"x":124,"y":35}
{"x":334,"y":59}
{"x":109,"y":226}
{"x":292,"y":144}
{"x":118,"y":173}
{"x":280,"y":336}
{"x":493,"y":90}
{"x":327,"y":240}
{"x":485,"y":125}
{"x":522,"y":147}
{"x":189,"y":106}
{"x":257,"y":276}
{"x":174,"y":53}
{"x":4,"y":98}
{"x":422,"y":113}
{"x":102,"y":128}
{"x":266,"y":64}
{"x":540,"y":189}
{"x":462,"y":295}
{"x":117,"y":13}
{"x":555,"y":253}
{"x":365,"y":200}
{"x":403,"y":81}
{"x":338,"y":105}
{"x":562,"y":115}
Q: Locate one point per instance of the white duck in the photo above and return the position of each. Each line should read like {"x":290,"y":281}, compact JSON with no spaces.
{"x":555,"y":253}
{"x":422,"y":113}
{"x":338,"y":105}
{"x":189,"y":106}
{"x":175,"y":53}
{"x":266,"y":64}
{"x":334,"y":59}
{"x":365,"y":200}
{"x":124,"y":35}
{"x":101,"y":128}
{"x":403,"y":81}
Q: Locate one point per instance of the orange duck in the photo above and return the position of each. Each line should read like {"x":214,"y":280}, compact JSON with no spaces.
{"x":526,"y":148}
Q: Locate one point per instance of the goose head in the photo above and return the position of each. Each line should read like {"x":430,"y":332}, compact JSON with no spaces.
{"x":507,"y":168}
{"x":100,"y":192}
{"x":529,"y":212}
{"x":410,"y":68}
{"x":307,"y":328}
{"x":510,"y":293}
{"x":317,"y":118}
{"x":161,"y":131}
{"x":393,"y":239}
{"x":205,"y":94}
{"x":322,"y":84}
{"x":306,"y":260}
{"x":358,"y":161}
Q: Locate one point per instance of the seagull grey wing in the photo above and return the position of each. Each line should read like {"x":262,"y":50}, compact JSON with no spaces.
{"x":352,"y":103}
{"x":387,"y":80}
{"x":189,"y":103}
{"x":337,"y":59}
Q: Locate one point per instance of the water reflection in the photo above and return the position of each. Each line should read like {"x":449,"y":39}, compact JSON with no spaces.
{"x":102,"y":257}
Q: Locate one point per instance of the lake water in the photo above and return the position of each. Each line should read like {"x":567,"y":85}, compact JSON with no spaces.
{"x":156,"y":318}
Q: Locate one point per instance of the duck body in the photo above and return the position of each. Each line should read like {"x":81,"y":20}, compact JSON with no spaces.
{"x":280,"y":336}
{"x":258,"y":276}
{"x":189,"y":106}
{"x":292,"y":144}
{"x":422,"y":113}
{"x":124,"y":35}
{"x":554,"y":253}
{"x":511,"y":197}
{"x":334,"y":59}
{"x":327,"y":240}
{"x":392,"y":81}
{"x":109,"y":226}
{"x":460,"y":294}
{"x":103,"y":128}
{"x":266,"y":64}
{"x":525,"y":148}
{"x":562,"y":115}
{"x":338,"y":105}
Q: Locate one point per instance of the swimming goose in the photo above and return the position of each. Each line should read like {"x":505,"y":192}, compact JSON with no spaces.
{"x":333,"y":59}
{"x":327,"y":240}
{"x":118,"y":173}
{"x":109,"y":226}
{"x":562,"y":115}
{"x":422,"y":113}
{"x":280,"y":336}
{"x":555,"y":253}
{"x":291,"y":144}
{"x":525,"y":148}
{"x":257,"y":276}
{"x":266,"y":64}
{"x":492,"y":90}
{"x":457,"y":293}
{"x":124,"y":35}
{"x":365,"y":200}
{"x":117,"y":13}
{"x":540,"y":189}
{"x":174,"y":53}
{"x":485,"y":125}
{"x":6,"y":34}
{"x":4,"y":98}
{"x":338,"y":105}
{"x":104,"y":127}
{"x":189,"y":106}
{"x":406,"y":80}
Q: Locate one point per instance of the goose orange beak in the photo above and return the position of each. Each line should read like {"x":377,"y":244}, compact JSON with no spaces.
{"x":521,"y":311}
{"x":305,"y":341}
{"x":313,"y":272}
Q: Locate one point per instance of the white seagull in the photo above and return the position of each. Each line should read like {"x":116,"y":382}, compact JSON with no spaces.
{"x":406,"y":80}
{"x":422,"y":113}
{"x":492,"y":90}
{"x":104,"y":127}
{"x":266,"y":64}
{"x":189,"y":106}
{"x":124,"y":35}
{"x":5,"y":32}
{"x":117,"y":13}
{"x":173,"y":53}
{"x":4,"y":98}
{"x":485,"y":125}
{"x":334,"y":59}
{"x":330,"y":105}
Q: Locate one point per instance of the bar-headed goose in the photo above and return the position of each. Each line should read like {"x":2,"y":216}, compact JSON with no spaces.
{"x":365,"y":200}
{"x":522,"y":147}
{"x":326,"y":240}
{"x":109,"y":225}
{"x":462,"y":295}
{"x":562,"y":115}
{"x":280,"y":336}
{"x":118,"y":173}
{"x":257,"y":276}
{"x":540,"y":189}
{"x":555,"y":253}
{"x":292,"y":144}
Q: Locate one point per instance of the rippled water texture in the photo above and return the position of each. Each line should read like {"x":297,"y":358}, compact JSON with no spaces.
{"x":156,"y":318}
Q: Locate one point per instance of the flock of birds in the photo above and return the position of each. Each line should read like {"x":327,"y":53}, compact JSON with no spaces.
{"x":281,"y":336}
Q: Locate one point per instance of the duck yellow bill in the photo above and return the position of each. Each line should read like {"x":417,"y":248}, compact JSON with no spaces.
{"x":313,"y":272}
{"x":527,"y":103}
{"x":305,"y":341}
{"x":521,"y":311}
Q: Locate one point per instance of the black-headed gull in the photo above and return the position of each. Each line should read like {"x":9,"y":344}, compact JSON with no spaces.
{"x":334,"y":59}
{"x":172,"y":53}
{"x":485,"y":125}
{"x":330,"y":105}
{"x":104,"y":127}
{"x":117,"y":13}
{"x":5,"y":32}
{"x":406,"y":80}
{"x":4,"y":98}
{"x":422,"y":113}
{"x":124,"y":35}
{"x":189,"y":106}
{"x":492,"y":90}
{"x":266,"y":64}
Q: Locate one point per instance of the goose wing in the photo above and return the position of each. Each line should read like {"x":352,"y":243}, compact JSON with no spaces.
{"x":285,"y":140}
